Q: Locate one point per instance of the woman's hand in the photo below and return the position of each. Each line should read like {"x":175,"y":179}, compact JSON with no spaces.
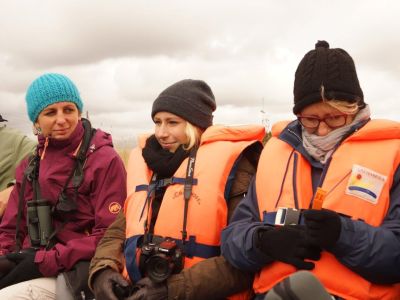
{"x":6,"y":266}
{"x":323,"y":227}
{"x":288,"y":244}
{"x":25,"y":268}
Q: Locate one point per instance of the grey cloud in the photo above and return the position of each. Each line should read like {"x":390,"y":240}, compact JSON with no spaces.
{"x":123,"y":54}
{"x":72,"y":32}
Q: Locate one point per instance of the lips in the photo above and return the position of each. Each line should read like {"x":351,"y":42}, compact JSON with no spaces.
{"x":60,"y":131}
{"x":166,"y":146}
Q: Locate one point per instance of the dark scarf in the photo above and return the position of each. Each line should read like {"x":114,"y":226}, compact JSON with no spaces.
{"x":164,"y":164}
{"x":161,"y":161}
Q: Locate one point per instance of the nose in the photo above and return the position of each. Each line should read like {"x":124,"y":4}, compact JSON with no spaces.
{"x":323,"y":129}
{"x":60,"y":118}
{"x":161,"y":132}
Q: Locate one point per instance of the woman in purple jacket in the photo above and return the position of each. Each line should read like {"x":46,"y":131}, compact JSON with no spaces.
{"x":65,"y":197}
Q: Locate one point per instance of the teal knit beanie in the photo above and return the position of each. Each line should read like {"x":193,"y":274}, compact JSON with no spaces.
{"x":48,"y":89}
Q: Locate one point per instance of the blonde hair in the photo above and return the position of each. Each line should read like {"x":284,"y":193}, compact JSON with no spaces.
{"x":348,"y":108}
{"x":193,"y":134}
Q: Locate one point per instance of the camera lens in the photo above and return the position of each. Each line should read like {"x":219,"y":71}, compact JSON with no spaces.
{"x":159,"y":267}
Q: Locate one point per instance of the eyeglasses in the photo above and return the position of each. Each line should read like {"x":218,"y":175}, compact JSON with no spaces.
{"x":312,"y":122}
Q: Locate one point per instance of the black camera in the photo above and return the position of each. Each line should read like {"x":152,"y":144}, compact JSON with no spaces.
{"x":158,"y":260}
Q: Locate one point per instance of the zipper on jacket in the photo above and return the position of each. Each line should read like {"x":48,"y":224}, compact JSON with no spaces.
{"x":46,"y":143}
{"x":295,"y":134}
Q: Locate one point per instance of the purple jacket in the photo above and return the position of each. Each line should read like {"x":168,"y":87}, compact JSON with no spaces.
{"x":100,"y":195}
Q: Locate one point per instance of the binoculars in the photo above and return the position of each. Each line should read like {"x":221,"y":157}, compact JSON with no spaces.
{"x":39,"y":222}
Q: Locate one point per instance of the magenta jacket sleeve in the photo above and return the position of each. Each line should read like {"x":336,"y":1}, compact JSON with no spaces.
{"x":9,"y":220}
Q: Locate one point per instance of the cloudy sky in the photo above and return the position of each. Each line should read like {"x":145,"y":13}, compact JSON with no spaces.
{"x":122,"y":54}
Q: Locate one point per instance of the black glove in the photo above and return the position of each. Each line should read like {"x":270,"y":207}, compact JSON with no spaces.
{"x":105,"y":282}
{"x":149,"y":290}
{"x":6,"y":266}
{"x":323,"y":227}
{"x":25,"y":268}
{"x":288,"y":244}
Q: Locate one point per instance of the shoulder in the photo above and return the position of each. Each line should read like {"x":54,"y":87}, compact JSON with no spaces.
{"x":101,"y":144}
{"x":378,"y":129}
{"x":11,"y":135}
{"x":279,"y":126}
{"x":388,"y":126}
{"x":101,"y":150}
{"x":19,"y":171}
{"x":233,"y":133}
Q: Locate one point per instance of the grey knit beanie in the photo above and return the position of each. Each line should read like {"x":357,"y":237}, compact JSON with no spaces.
{"x":332,"y":68}
{"x":189,"y":99}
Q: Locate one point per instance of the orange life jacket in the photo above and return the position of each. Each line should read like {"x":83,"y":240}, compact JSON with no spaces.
{"x":371,"y":151}
{"x":220,"y":147}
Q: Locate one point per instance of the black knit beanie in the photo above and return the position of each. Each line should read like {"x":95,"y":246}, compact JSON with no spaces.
{"x":189,"y":99}
{"x":332,"y":68}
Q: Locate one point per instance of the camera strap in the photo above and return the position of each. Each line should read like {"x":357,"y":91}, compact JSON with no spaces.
{"x":66,"y":204}
{"x":187,"y":189}
{"x":147,"y":203}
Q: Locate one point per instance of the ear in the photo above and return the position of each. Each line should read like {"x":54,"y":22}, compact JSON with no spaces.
{"x":79,"y":115}
{"x":36,"y":129}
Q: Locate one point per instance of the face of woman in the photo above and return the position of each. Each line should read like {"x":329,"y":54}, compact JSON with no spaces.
{"x":58,"y":120}
{"x":169,"y":130}
{"x":321,"y":118}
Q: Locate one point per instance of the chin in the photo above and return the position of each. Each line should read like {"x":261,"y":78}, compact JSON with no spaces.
{"x":172,"y":150}
{"x":61,"y":137}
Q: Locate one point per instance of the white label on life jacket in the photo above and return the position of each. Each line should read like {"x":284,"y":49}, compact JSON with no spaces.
{"x":365,"y":184}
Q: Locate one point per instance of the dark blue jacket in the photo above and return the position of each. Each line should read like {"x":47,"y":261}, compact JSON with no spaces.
{"x":372,"y":252}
